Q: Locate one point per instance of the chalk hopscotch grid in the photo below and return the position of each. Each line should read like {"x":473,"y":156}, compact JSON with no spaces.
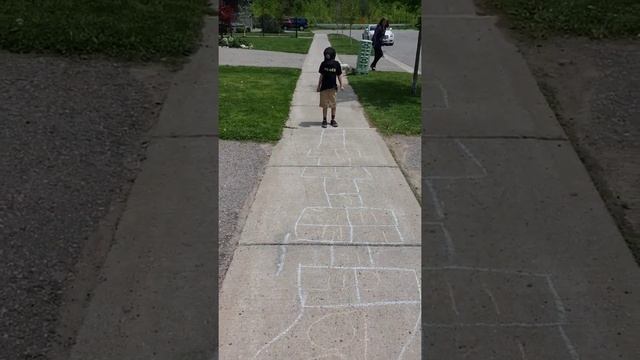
{"x":440,"y":213}
{"x":350,"y":214}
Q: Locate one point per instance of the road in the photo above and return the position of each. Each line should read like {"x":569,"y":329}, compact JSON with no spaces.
{"x":404,"y":49}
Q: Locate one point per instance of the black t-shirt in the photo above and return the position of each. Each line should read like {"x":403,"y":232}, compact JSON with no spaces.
{"x":329,"y":69}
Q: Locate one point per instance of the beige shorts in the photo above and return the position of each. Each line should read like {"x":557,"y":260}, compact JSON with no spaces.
{"x":328,"y":98}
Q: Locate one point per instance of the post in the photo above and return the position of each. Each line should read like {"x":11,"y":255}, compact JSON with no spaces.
{"x":417,"y":64}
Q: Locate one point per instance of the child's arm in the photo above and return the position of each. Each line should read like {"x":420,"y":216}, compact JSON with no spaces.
{"x":340,"y":81}
{"x":319,"y":83}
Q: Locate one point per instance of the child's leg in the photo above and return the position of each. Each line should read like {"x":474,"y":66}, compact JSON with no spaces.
{"x":324,"y":113}
{"x":333,"y":113}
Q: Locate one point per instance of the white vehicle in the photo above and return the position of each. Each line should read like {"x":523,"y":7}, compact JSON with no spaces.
{"x":370,"y":29}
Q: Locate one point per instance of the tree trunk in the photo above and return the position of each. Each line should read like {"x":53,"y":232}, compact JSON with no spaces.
{"x":417,"y":64}
{"x":350,"y":37}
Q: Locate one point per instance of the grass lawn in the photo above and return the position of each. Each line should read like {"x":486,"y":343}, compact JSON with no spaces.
{"x":254,"y":102}
{"x":344,"y":44}
{"x":282,"y":34}
{"x":387,"y":100}
{"x":593,"y":18}
{"x":134,"y":29}
{"x":284,"y":44}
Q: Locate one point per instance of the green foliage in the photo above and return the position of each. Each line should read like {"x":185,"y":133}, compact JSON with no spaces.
{"x":235,"y":42}
{"x":359,"y":11}
{"x":593,"y":18}
{"x":269,"y":23}
{"x":137,"y":29}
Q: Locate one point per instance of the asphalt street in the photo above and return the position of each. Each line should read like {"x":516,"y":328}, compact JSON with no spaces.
{"x":404,"y":48}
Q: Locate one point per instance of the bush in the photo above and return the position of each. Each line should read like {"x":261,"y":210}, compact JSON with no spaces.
{"x":235,"y":42}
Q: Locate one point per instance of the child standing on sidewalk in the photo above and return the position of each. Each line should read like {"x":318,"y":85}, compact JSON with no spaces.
{"x":330,"y":70}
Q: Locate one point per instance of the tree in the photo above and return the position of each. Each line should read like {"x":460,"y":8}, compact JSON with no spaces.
{"x":414,"y":5}
{"x":271,"y":8}
{"x":351,"y":10}
{"x":414,"y":84}
{"x":225,"y":17}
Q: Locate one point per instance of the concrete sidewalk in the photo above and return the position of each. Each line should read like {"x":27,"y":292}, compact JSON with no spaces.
{"x":157,"y":294}
{"x":534,"y":267}
{"x":329,"y":258}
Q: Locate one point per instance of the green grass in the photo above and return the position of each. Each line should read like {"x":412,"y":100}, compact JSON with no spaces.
{"x":344,"y":44}
{"x":134,"y":29}
{"x":282,"y":34}
{"x":254,"y":102}
{"x":592,"y":18}
{"x":283,"y":44}
{"x":387,"y":101}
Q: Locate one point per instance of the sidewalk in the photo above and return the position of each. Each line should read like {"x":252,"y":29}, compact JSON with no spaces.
{"x":534,"y":267}
{"x":157,"y":293}
{"x":329,"y":259}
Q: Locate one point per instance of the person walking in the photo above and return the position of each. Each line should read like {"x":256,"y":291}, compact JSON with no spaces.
{"x":378,"y":36}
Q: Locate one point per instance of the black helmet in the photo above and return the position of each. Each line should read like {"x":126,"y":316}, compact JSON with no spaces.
{"x":329,"y":53}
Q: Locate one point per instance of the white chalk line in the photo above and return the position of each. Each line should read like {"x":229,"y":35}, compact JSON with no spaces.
{"x":355,"y":279}
{"x":321,"y":139}
{"x":417,"y":326}
{"x":413,"y":335}
{"x":366,"y":336}
{"x":281,"y":334}
{"x":434,"y":198}
{"x":568,"y":344}
{"x":350,"y":228}
{"x":361,"y":268}
{"x":445,"y":94}
{"x":353,"y":330}
{"x":302,"y":241}
{"x":470,"y":155}
{"x":494,"y":325}
{"x":283,"y":249}
{"x":450,"y":247}
{"x":367,"y":304}
{"x":301,"y":299}
{"x":522,"y":352}
{"x":324,"y":186}
{"x":452,"y":297}
{"x":331,"y":251}
{"x":370,"y":255}
{"x":558,"y":302}
{"x":493,"y":299}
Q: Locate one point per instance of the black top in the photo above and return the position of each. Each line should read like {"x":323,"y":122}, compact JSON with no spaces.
{"x":378,"y":35}
{"x":329,"y":69}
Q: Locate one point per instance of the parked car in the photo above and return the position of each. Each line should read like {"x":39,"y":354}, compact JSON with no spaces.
{"x":293,"y":23}
{"x":370,"y":29}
